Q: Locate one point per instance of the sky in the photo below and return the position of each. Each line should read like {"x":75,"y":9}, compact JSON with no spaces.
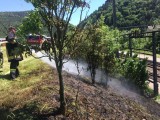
{"x":21,"y":5}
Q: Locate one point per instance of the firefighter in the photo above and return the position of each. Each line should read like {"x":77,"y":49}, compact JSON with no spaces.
{"x":13,"y":53}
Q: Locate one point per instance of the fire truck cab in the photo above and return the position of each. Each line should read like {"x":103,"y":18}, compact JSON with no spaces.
{"x":35,"y":40}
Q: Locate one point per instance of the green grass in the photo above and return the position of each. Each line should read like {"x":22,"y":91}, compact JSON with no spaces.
{"x":19,"y":92}
{"x":158,"y":99}
{"x":26,"y":67}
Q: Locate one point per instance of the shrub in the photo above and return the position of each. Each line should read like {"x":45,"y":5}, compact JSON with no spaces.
{"x":134,"y":69}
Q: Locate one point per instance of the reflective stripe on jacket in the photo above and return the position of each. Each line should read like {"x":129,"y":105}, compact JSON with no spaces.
{"x":12,"y":70}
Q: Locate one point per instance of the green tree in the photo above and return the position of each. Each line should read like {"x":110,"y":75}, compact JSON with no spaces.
{"x":56,"y":15}
{"x":100,"y":47}
{"x":31,"y":24}
{"x":92,"y":56}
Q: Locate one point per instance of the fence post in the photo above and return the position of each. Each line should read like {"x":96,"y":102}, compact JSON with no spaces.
{"x":154,"y":64}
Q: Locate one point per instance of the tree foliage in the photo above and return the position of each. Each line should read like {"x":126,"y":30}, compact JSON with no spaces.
{"x":100,"y":47}
{"x":134,"y":70}
{"x":31,"y":24}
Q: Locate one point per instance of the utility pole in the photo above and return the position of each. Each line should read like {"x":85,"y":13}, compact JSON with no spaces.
{"x":154,"y":64}
{"x":114,"y":13}
{"x":114,"y":21}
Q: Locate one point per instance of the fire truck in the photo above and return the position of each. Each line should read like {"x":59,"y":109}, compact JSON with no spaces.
{"x":35,"y":40}
{"x":39,"y":42}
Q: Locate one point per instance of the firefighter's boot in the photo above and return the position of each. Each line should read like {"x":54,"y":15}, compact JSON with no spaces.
{"x":12,"y":73}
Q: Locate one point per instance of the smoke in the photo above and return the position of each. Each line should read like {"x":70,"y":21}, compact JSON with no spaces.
{"x":124,"y":89}
{"x":119,"y":86}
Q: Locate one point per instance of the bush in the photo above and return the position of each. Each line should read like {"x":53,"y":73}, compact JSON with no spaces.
{"x":109,"y":63}
{"x":134,"y":69}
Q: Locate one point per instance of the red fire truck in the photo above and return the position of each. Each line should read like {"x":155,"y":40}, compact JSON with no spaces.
{"x":35,"y":40}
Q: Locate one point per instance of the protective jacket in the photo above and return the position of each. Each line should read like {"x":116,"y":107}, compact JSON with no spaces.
{"x":13,"y":52}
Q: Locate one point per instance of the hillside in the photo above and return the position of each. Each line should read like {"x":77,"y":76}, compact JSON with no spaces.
{"x":129,"y":13}
{"x":36,"y":92}
{"x":10,"y":18}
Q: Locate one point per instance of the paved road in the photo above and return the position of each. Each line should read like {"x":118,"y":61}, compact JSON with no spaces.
{"x":149,"y":57}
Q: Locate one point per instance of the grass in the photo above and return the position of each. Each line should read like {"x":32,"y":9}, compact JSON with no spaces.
{"x":12,"y":92}
{"x":158,"y":99}
{"x":26,"y":67}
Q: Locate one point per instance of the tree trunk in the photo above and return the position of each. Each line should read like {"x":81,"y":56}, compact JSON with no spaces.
{"x":61,"y":92}
{"x":59,"y":64}
{"x":93,"y":73}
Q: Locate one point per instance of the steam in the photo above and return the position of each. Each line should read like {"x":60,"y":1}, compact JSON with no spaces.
{"x":115,"y":84}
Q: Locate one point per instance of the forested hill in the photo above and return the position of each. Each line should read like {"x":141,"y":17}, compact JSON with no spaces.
{"x":10,"y":18}
{"x":129,"y":12}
